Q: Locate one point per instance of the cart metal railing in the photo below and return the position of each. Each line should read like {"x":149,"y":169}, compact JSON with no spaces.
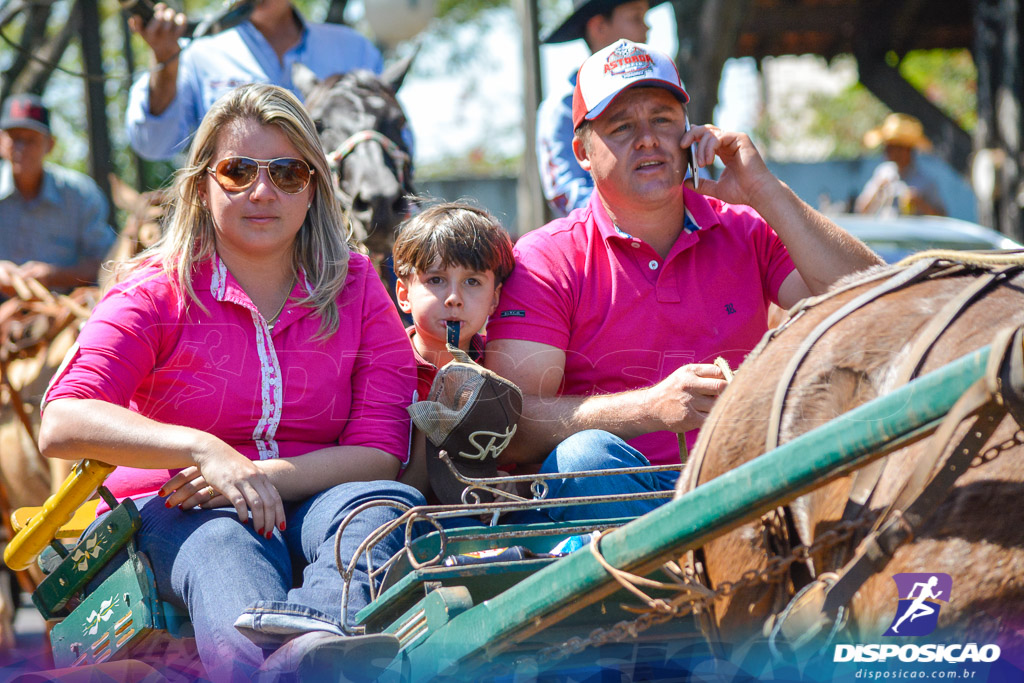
{"x":570,"y":584}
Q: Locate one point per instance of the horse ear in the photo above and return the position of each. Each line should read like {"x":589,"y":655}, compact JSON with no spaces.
{"x":303,"y":79}
{"x":394,"y":75}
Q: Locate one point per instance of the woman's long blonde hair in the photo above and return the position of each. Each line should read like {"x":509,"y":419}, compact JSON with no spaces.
{"x":321,"y":246}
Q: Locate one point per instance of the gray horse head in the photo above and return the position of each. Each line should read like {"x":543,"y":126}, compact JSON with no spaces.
{"x":361,"y":127}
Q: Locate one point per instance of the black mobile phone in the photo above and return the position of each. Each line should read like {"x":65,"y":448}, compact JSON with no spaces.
{"x":693,"y":156}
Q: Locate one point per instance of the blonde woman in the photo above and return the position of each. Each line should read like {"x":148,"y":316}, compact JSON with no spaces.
{"x":249,"y":377}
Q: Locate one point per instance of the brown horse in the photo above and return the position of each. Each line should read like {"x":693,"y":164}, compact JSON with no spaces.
{"x":976,"y":532}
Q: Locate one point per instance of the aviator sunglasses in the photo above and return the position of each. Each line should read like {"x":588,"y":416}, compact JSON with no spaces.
{"x":235,"y":174}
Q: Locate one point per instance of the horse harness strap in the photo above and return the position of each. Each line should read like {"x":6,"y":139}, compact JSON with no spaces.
{"x":808,"y":614}
{"x":922,"y":269}
{"x":912,"y":274}
{"x":865,"y":480}
{"x":799,"y":308}
{"x":988,"y":400}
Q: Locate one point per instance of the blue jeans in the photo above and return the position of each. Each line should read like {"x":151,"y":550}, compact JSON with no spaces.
{"x":209,"y":563}
{"x":594,"y":449}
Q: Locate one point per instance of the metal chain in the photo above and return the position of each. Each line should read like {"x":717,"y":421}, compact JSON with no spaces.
{"x":993,"y":452}
{"x":661,"y":611}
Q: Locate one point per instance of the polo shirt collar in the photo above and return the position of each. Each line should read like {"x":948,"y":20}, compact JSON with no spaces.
{"x":251,"y":35}
{"x":698,"y":216}
{"x":49,"y":191}
{"x":225,"y":288}
{"x":699,"y":213}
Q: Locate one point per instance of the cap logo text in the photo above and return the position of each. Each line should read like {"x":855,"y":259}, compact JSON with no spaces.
{"x":628,"y":61}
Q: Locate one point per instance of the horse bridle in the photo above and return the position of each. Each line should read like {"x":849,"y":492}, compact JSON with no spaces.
{"x":397,"y":155}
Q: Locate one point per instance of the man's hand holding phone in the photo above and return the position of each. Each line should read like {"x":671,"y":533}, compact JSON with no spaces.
{"x":693,"y":157}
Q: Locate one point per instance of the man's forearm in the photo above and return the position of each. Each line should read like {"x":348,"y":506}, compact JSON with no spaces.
{"x":163,"y":86}
{"x":547,"y":421}
{"x":821,"y":251}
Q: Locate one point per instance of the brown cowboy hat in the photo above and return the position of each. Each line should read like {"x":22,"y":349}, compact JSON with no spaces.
{"x":582,"y":11}
{"x":898,"y":129}
{"x":471,"y":414}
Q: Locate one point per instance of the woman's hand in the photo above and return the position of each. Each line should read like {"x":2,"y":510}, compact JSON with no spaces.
{"x":223,"y":476}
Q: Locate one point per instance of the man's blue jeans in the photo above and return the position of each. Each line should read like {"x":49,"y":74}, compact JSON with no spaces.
{"x":215,"y":566}
{"x":594,"y":449}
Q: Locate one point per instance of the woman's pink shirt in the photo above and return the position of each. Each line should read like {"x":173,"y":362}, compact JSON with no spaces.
{"x":269,"y":394}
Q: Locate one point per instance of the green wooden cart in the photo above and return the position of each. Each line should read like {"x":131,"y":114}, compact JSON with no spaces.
{"x":529,"y":611}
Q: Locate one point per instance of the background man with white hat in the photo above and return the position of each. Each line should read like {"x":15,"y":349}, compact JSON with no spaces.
{"x":53,"y":221}
{"x":898,"y":183}
{"x":613,"y":316}
{"x":600,"y":23}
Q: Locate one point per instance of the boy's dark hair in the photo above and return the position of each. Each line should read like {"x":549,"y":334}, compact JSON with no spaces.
{"x":453,"y":233}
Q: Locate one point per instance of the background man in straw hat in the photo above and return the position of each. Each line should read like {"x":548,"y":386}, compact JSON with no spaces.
{"x":600,"y":23}
{"x":613,"y":316}
{"x":53,"y":221}
{"x":898,"y":183}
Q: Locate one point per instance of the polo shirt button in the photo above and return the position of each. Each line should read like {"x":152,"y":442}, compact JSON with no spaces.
{"x":653,"y":265}
{"x":635,"y":245}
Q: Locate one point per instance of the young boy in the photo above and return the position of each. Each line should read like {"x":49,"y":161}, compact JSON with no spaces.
{"x":450,"y":260}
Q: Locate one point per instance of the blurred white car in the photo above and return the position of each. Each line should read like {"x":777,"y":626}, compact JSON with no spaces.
{"x":894,"y":237}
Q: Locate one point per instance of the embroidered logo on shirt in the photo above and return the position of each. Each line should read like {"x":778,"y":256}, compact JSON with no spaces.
{"x":730,"y":309}
{"x":515,"y":313}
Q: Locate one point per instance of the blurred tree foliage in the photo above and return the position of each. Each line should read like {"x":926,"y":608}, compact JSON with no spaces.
{"x":459,"y":32}
{"x":948,"y":78}
{"x":459,"y":12}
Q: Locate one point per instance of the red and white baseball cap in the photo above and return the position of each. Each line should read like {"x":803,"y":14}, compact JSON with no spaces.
{"x":619,"y":67}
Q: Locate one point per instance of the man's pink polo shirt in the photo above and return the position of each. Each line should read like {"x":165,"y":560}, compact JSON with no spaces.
{"x":268,"y":393}
{"x":625,"y":317}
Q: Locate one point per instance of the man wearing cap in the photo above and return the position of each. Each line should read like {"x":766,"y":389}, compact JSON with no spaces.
{"x":166,"y":105}
{"x":898,"y":183}
{"x":600,"y":23}
{"x":613,"y":316}
{"x":53,"y":221}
